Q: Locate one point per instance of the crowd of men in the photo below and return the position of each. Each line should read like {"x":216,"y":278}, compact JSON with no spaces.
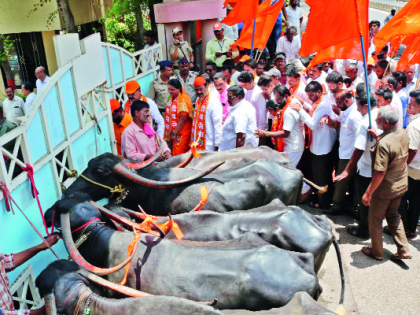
{"x":319,"y":116}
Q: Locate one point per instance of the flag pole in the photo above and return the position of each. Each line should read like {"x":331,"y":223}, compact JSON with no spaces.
{"x":253,"y":34}
{"x":366,"y":80}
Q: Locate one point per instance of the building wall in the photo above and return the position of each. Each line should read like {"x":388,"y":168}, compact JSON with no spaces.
{"x":47,"y":37}
{"x":15,"y":17}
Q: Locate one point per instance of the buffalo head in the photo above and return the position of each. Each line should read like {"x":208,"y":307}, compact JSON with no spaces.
{"x":107,"y":177}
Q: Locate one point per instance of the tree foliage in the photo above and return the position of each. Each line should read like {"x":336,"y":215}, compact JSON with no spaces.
{"x":121,"y":31}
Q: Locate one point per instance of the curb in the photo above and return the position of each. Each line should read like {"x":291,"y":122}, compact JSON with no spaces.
{"x":383,"y":6}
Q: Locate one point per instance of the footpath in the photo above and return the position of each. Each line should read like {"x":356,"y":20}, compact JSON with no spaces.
{"x":387,"y":5}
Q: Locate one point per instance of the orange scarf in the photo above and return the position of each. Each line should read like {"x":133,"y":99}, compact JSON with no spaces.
{"x":127,"y":108}
{"x":313,"y":109}
{"x":293,"y":90}
{"x":278,"y":125}
{"x":199,"y":122}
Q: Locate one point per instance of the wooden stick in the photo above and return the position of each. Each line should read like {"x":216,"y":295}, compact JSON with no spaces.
{"x":321,"y":190}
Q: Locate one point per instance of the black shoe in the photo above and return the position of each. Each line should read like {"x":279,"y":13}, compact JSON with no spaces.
{"x":332,"y":211}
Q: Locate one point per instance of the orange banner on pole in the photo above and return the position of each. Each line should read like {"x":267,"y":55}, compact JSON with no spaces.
{"x":405,"y":23}
{"x":267,"y":16}
{"x":330,"y":22}
{"x":351,"y":48}
{"x":244,"y":10}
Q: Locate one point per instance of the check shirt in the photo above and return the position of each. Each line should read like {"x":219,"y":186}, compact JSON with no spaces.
{"x":7,"y":307}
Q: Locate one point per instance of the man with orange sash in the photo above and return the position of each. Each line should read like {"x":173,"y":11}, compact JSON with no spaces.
{"x":208,"y":115}
{"x":296,"y":86}
{"x":321,"y":139}
{"x":121,"y":120}
{"x":133,"y":91}
{"x":316,"y":74}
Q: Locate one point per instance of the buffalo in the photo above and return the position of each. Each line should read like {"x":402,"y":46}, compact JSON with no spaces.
{"x":245,"y":184}
{"x":245,"y":272}
{"x":287,"y":227}
{"x":68,"y":284}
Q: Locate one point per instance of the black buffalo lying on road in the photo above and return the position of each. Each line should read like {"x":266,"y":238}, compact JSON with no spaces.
{"x":70,"y":286}
{"x":246,"y":272}
{"x":246,"y":184}
{"x":287,"y":227}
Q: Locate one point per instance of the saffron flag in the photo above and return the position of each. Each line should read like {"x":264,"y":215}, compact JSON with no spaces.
{"x":410,"y":56}
{"x":405,"y":24}
{"x":330,"y":22}
{"x":243,"y":11}
{"x":267,"y":16}
{"x":231,"y":2}
{"x":351,"y":48}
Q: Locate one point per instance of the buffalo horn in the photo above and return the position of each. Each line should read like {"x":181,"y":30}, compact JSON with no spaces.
{"x":77,"y":257}
{"x":50,"y":307}
{"x":186,"y":162}
{"x":137,"y":166}
{"x":122,"y":220}
{"x":120,"y":169}
{"x":113,"y":286}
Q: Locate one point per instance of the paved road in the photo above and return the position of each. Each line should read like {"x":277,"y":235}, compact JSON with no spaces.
{"x":372,"y":287}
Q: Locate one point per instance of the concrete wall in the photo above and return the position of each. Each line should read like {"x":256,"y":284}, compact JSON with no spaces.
{"x":384,"y":6}
{"x":15,"y":17}
{"x":47,"y":37}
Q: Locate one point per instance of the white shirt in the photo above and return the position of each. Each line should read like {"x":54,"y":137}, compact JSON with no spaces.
{"x":388,"y":18}
{"x":372,"y":81}
{"x":397,"y":105}
{"x":413,"y":131}
{"x":340,"y":66}
{"x":323,"y":138}
{"x":235,"y":76}
{"x":410,"y":86}
{"x":13,"y":109}
{"x":356,"y":82}
{"x":300,"y":92}
{"x":241,"y":119}
{"x":349,"y":120}
{"x":295,"y":142}
{"x":28,"y":102}
{"x":321,"y":80}
{"x":257,"y":100}
{"x":156,"y":116}
{"x":291,"y":49}
{"x":294,"y":16}
{"x":363,"y":142}
{"x":214,"y":126}
{"x":40,"y":85}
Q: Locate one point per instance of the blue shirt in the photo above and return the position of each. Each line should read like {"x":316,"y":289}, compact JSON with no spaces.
{"x":403,"y":94}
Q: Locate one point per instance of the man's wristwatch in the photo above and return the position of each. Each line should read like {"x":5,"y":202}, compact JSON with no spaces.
{"x":266,"y":133}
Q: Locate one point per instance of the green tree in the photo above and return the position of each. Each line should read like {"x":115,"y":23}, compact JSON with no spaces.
{"x":121,"y":31}
{"x":122,"y":8}
{"x":6,"y":43}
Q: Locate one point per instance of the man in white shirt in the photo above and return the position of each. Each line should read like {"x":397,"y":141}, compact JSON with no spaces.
{"x":347,"y":122}
{"x":390,"y":82}
{"x":296,"y":85}
{"x":42,"y":78}
{"x":351,"y":71}
{"x":372,"y":77}
{"x":410,"y":71}
{"x":207,"y":123}
{"x":317,"y":74}
{"x":335,"y":83}
{"x":294,"y":16}
{"x":362,"y":160}
{"x":240,"y":124}
{"x":275,"y":75}
{"x":13,"y":106}
{"x":289,"y":44}
{"x":391,"y":15}
{"x":321,"y":139}
{"x":402,"y":93}
{"x":150,"y":39}
{"x":28,"y":91}
{"x":410,"y":203}
{"x":254,"y":95}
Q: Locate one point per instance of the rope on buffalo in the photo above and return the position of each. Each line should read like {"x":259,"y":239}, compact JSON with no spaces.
{"x":117,"y":189}
{"x":131,"y":247}
{"x":79,"y":302}
{"x":11,"y":200}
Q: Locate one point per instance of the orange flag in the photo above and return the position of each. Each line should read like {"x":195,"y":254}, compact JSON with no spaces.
{"x":244,"y":10}
{"x":231,"y":2}
{"x":351,"y":48}
{"x":405,"y":23}
{"x":330,"y":22}
{"x":410,"y":56}
{"x":267,"y":16}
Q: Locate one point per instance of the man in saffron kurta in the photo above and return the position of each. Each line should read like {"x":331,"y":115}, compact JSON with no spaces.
{"x":178,"y":120}
{"x":121,"y":120}
{"x":139,"y":142}
{"x":208,"y":115}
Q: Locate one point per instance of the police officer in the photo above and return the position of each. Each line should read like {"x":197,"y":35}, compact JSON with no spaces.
{"x":158,"y":90}
{"x":180,"y":49}
{"x":187,"y":77}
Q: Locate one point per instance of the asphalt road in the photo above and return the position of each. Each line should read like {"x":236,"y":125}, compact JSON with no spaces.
{"x":372,"y":287}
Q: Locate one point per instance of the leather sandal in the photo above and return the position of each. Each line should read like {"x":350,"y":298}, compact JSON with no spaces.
{"x":368,"y":252}
{"x":397,"y":256}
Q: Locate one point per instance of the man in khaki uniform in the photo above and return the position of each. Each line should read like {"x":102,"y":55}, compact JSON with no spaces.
{"x":187,"y":77}
{"x":158,"y":89}
{"x":180,"y":49}
{"x":389,"y":183}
